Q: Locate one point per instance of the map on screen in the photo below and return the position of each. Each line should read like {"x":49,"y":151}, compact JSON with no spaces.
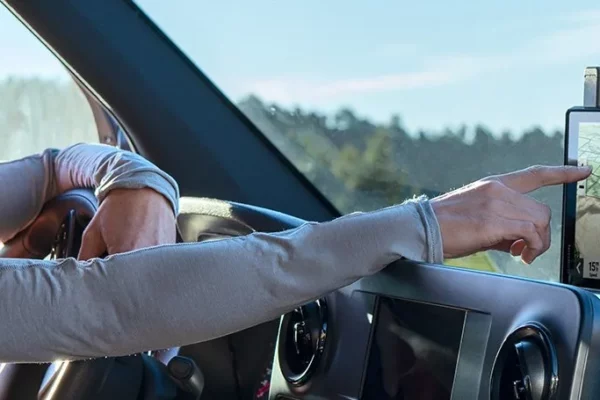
{"x":587,"y":222}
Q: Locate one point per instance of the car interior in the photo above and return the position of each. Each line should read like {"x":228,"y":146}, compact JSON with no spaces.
{"x":412,"y":331}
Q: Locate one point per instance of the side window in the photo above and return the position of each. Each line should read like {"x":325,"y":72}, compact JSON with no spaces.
{"x":41,"y":106}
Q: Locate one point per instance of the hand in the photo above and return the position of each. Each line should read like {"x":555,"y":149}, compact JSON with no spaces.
{"x":129,"y":219}
{"x":494,"y":213}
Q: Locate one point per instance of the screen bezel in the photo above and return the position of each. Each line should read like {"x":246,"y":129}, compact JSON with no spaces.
{"x":474,"y":323}
{"x":574,"y":117}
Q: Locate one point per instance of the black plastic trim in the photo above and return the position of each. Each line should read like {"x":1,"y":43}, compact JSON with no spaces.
{"x":542,"y":337}
{"x":303,"y":377}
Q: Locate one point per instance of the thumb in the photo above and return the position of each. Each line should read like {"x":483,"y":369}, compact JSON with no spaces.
{"x":92,"y":243}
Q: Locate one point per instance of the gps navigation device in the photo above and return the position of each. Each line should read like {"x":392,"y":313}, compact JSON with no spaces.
{"x":581,"y":216}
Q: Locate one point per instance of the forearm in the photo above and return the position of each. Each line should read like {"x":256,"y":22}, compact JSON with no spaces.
{"x":27,"y":184}
{"x":181,"y":294}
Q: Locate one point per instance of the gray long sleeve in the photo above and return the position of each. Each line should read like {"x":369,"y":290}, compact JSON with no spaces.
{"x":173,"y":295}
{"x":27,"y":184}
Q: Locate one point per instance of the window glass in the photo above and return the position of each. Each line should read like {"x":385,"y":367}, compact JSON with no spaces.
{"x":41,"y":106}
{"x":378,"y":101}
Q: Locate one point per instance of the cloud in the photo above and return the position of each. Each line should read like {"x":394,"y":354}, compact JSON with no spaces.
{"x":450,"y":71}
{"x":447,"y":71}
{"x":575,"y":40}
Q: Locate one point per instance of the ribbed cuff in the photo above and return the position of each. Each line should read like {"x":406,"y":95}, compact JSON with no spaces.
{"x":435,"y":249}
{"x":131,"y":171}
{"x":159,"y":182}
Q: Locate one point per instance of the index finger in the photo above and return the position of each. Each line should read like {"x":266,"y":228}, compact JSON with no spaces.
{"x":532,"y":178}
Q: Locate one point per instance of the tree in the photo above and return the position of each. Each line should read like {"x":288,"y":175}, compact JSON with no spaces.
{"x":378,"y":173}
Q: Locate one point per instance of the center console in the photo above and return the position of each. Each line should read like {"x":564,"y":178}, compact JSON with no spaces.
{"x":425,"y":332}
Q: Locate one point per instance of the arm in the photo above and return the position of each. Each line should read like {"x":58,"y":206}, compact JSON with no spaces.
{"x":27,"y":184}
{"x":181,"y":294}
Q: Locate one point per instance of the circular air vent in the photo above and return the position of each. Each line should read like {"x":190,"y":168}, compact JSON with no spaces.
{"x":526,"y":366}
{"x":302,"y":341}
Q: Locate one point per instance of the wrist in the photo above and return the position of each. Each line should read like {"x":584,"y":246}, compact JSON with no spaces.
{"x":155,"y":181}
{"x":146,"y":195}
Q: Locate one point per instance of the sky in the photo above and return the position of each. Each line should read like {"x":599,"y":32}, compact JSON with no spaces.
{"x":509,"y":65}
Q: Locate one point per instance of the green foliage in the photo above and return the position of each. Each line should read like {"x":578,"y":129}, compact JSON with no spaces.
{"x":343,"y":167}
{"x":376,"y":171}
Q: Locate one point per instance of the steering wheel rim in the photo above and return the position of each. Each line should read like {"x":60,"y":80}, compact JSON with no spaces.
{"x":37,"y":239}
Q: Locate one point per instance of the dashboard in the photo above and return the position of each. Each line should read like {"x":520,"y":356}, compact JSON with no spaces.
{"x":416,"y":331}
{"x":420,"y":331}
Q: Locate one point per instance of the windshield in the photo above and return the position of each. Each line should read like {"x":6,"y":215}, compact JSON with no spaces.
{"x":377,"y":102}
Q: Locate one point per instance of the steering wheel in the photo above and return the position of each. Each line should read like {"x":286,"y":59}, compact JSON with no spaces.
{"x":37,"y":240}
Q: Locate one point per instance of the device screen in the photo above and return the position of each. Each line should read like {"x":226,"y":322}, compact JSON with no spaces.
{"x":581,"y":248}
{"x":412,"y":357}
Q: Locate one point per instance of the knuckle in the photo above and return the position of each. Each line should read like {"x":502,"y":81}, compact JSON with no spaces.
{"x":530,"y":232}
{"x":544,"y":215}
{"x":564,"y":174}
{"x":86,"y":232}
{"x":536,"y":243}
{"x":89,"y":232}
{"x":548,"y":242}
{"x":547,"y":212}
{"x":546,"y":245}
{"x":535,"y":170}
{"x":492,"y":187}
{"x":540,"y":173}
{"x":490,"y":178}
{"x":529,"y":228}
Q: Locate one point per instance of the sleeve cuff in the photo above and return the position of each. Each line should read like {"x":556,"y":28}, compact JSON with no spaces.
{"x":130,"y":171}
{"x":435,"y":249}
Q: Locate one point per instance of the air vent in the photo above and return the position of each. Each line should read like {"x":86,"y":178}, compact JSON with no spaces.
{"x":526,"y":367}
{"x":302,"y":341}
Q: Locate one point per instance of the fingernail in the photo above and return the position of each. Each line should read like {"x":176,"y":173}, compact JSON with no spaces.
{"x":585,"y":168}
{"x":525,"y":260}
